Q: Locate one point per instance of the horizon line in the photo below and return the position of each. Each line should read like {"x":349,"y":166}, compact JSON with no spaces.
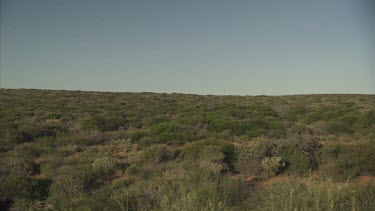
{"x":186,"y":93}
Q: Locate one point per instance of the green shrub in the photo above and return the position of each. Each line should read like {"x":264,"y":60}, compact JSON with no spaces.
{"x":132,"y":169}
{"x":54,"y":116}
{"x":156,"y":153}
{"x":337,"y":127}
{"x":146,"y":141}
{"x":264,"y":111}
{"x":82,"y":138}
{"x":350,"y":118}
{"x":252,"y":127}
{"x":19,"y":164}
{"x":301,"y":155}
{"x":367,"y":120}
{"x":49,"y":130}
{"x":225,"y":135}
{"x":28,"y":133}
{"x":218,"y":193}
{"x":105,"y":165}
{"x":24,"y":136}
{"x":256,"y":132}
{"x":296,"y":111}
{"x":105,"y":123}
{"x":21,"y":186}
{"x":49,"y":167}
{"x":311,"y":117}
{"x":333,"y":112}
{"x":345,"y":162}
{"x":249,"y":158}
{"x":167,"y":132}
{"x":70,"y":187}
{"x":164,"y":127}
{"x":98,"y":200}
{"x":196,"y":149}
{"x":137,"y":135}
{"x":188,"y":188}
{"x":272,"y":165}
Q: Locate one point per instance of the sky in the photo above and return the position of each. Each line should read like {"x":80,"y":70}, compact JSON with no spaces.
{"x":232,"y":47}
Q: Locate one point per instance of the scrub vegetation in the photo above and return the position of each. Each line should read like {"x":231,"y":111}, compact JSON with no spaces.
{"x":75,"y":150}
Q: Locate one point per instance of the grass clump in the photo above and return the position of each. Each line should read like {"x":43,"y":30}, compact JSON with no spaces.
{"x":312,"y":195}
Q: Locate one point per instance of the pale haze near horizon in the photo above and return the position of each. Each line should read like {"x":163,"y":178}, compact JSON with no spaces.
{"x":202,"y":47}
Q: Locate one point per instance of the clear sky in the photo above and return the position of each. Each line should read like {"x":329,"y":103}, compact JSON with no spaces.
{"x":239,"y":47}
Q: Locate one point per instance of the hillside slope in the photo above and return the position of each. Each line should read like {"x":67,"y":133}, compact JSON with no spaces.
{"x":141,"y":151}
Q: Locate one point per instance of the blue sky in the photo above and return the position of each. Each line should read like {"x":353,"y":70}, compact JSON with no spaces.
{"x":237,"y":47}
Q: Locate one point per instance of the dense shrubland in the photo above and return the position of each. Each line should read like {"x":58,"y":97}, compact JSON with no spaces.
{"x":144,"y":151}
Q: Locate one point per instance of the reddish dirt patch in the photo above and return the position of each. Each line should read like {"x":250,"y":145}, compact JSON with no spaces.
{"x":111,"y":178}
{"x":40,"y":160}
{"x":277,"y":179}
{"x":250,"y":178}
{"x":268,"y":182}
{"x":366,"y":180}
{"x":39,"y":176}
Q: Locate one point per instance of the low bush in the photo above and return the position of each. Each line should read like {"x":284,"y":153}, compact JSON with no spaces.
{"x":137,"y":135}
{"x":132,"y":169}
{"x":184,"y":189}
{"x":345,"y":162}
{"x":28,"y":133}
{"x":337,"y":127}
{"x":156,"y":153}
{"x":105,"y":123}
{"x":300,"y":154}
{"x":168,"y":132}
{"x":249,"y":158}
{"x":350,"y":118}
{"x":196,"y":149}
{"x":54,"y":116}
{"x":71,"y":186}
{"x":105,"y":165}
{"x":367,"y":120}
{"x":311,"y":117}
{"x":272,"y":165}
{"x":256,"y":132}
{"x":19,"y":164}
{"x":146,"y":141}
{"x":333,"y":112}
{"x":24,"y":136}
